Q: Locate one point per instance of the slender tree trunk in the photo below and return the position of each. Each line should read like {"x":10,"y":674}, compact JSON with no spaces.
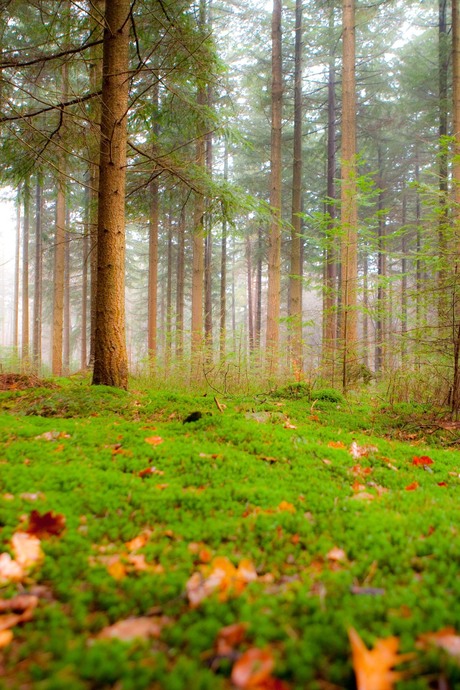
{"x":380,"y":322}
{"x":250,"y":296}
{"x":274,"y":241}
{"x":152,"y":299}
{"x":295,"y":281}
{"x":25,"y":277}
{"x":66,"y":330}
{"x":180,"y":286}
{"x":16,"y":275}
{"x":443,"y":69}
{"x":404,"y":281}
{"x":223,"y":272}
{"x":111,"y":360}
{"x":330,"y":286}
{"x":59,"y":268}
{"x":349,"y":215}
{"x":456,"y":186}
{"x":258,"y":319}
{"x":208,"y":238}
{"x":84,"y":285}
{"x":37,"y":315}
{"x":365,"y":344}
{"x":168,"y":329}
{"x":96,"y":10}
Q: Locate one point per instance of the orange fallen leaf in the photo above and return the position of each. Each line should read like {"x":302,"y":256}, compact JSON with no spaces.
{"x":45,"y":525}
{"x":230,"y":637}
{"x":138,"y":542}
{"x":288,"y":425}
{"x":149,"y":471}
{"x":373,"y":667}
{"x":336,"y":554}
{"x":284,"y":506}
{"x":117,"y":570}
{"x":220,"y":576}
{"x":412,"y":487}
{"x":154,"y":440}
{"x":422,"y":460}
{"x":6,"y":637}
{"x":336,"y":444}
{"x":253,"y":668}
{"x":363,"y":496}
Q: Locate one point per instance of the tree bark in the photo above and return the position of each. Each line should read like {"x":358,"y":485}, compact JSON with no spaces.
{"x":84,"y":285}
{"x":223,"y":273}
{"x":295,"y":280}
{"x":443,"y":70}
{"x":152,"y":298}
{"x":96,"y":11}
{"x":330,"y":269}
{"x":25,"y":277}
{"x":66,"y":323}
{"x":59,"y":267}
{"x":274,"y":242}
{"x":180,"y":285}
{"x":111,"y":360}
{"x":37,"y":315}
{"x":349,"y":208}
{"x":17,"y":274}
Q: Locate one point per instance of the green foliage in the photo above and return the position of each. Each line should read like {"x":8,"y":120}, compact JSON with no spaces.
{"x":224,"y":478}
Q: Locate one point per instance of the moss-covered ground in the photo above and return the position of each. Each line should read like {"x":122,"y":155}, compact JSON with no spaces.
{"x":323,"y":498}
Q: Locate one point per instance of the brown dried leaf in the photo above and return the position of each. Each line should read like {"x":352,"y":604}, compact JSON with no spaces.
{"x":253,"y":668}
{"x":46,"y":525}
{"x":230,"y":637}
{"x":132,"y":628}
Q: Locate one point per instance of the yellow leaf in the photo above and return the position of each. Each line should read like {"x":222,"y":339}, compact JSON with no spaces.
{"x":117,"y":570}
{"x":285,"y":506}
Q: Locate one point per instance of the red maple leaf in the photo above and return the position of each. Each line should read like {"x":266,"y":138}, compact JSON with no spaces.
{"x":46,"y":525}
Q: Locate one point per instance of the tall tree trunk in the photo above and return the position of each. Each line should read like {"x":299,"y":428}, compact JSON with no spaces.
{"x":456,"y":186}
{"x":349,"y":215}
{"x":258,"y":316}
{"x":25,"y":276}
{"x":381,"y":307}
{"x":37,"y":315}
{"x":208,"y":238}
{"x":223,"y":271}
{"x":443,"y":70}
{"x":295,"y":280}
{"x":404,"y":311}
{"x":84,"y":285}
{"x":96,"y":12}
{"x":152,"y":299}
{"x":180,"y":285}
{"x":250,"y":296}
{"x":330,"y":269}
{"x":16,"y":274}
{"x":59,"y":268}
{"x":168,"y":329}
{"x":66,"y":323}
{"x":274,"y":242}
{"x":111,"y":360}
{"x":365,"y":343}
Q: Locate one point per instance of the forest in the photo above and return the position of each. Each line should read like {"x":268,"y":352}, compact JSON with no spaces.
{"x":229,"y":345}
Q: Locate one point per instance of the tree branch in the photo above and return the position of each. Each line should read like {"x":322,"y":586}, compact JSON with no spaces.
{"x":45,"y":58}
{"x":56,"y":106}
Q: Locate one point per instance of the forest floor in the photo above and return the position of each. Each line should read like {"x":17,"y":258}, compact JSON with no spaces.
{"x":291,"y":540}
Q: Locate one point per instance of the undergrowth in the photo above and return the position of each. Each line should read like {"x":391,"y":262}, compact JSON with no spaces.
{"x":270,"y":478}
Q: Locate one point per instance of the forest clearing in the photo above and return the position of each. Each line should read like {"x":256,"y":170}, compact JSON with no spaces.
{"x":260,"y":546}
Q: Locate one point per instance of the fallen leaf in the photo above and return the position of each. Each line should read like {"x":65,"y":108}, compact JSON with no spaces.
{"x":117,"y":570}
{"x":149,"y":471}
{"x":336,"y":554}
{"x":138,"y":542}
{"x":288,"y":425}
{"x":6,"y":637}
{"x":220,"y":576}
{"x":52,"y":435}
{"x":27,"y":549}
{"x":230,"y":637}
{"x":252,"y":668}
{"x":373,"y":667}
{"x":326,"y":461}
{"x":363,"y":496}
{"x":446,"y":639}
{"x":422,"y":460}
{"x":361,"y":451}
{"x":132,"y":628}
{"x":412,"y":487}
{"x":10,"y":570}
{"x":284,"y":506}
{"x":336,"y":444}
{"x":154,"y":440}
{"x":442,"y":484}
{"x":46,"y":525}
